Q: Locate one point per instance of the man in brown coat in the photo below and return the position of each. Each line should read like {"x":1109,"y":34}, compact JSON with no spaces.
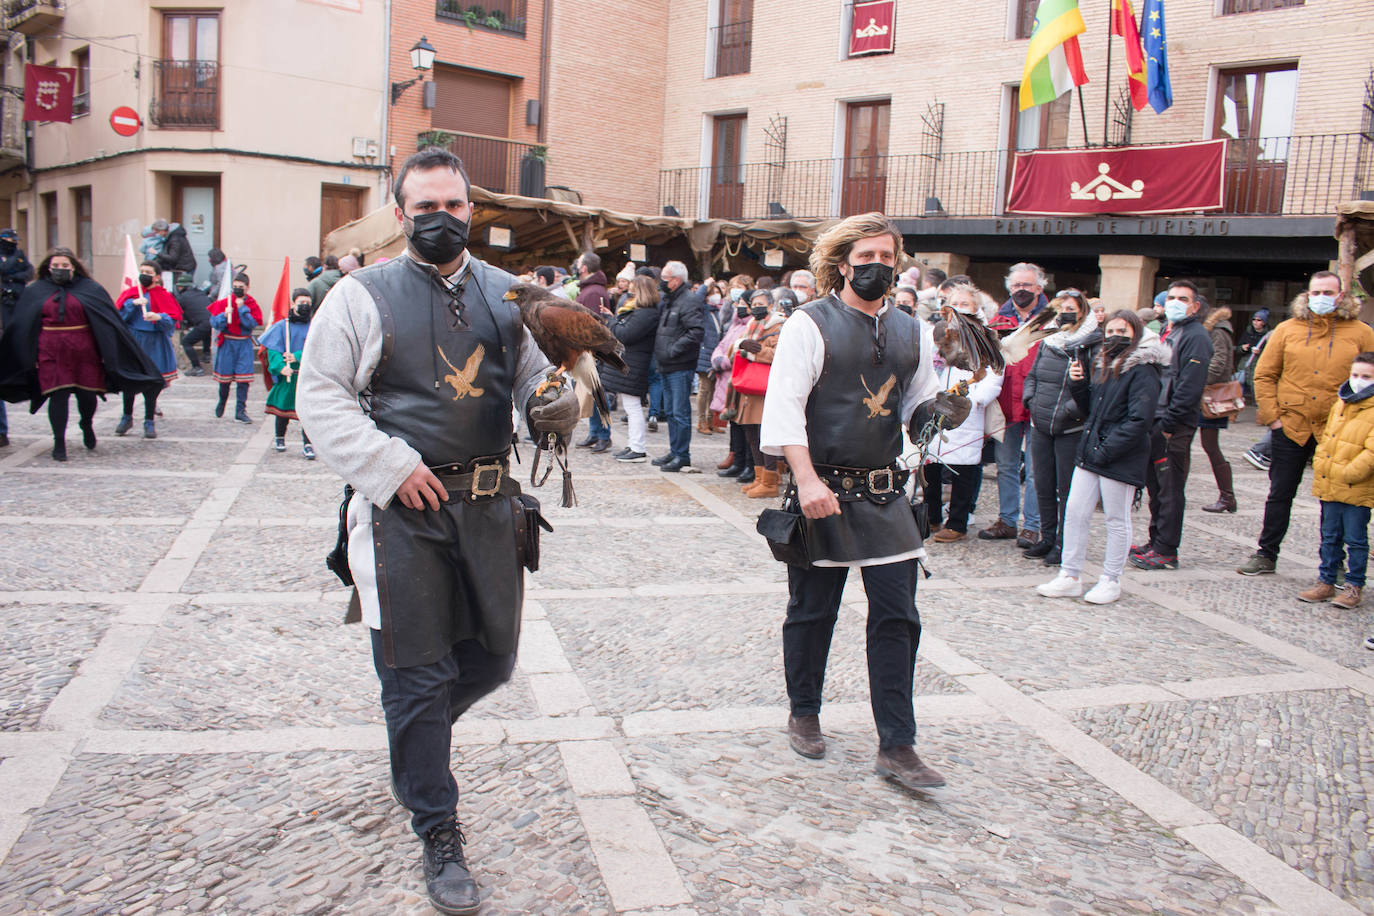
{"x":1302,"y":367}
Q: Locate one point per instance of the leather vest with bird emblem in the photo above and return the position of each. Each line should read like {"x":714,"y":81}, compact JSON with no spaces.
{"x":445,"y":378}
{"x":853,"y":416}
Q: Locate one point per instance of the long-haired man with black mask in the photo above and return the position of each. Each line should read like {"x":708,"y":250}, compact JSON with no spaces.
{"x":407,"y":389}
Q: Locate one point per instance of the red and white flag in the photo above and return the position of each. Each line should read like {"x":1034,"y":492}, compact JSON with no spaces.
{"x":130,"y":278}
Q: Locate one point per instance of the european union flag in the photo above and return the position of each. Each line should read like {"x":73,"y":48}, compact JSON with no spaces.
{"x":1156,"y":56}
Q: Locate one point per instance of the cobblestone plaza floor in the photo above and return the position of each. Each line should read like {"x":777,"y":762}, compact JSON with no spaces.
{"x":186,"y":725}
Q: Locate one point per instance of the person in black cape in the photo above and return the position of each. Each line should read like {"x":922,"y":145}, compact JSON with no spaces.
{"x":65,"y":337}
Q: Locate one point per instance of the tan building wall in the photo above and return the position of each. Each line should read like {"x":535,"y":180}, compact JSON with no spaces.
{"x":288,"y":115}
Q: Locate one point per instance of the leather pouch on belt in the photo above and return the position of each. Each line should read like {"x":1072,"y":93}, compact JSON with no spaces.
{"x":528,"y":521}
{"x":337,"y":559}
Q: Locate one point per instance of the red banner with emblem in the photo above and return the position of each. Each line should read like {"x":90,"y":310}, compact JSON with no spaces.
{"x":48,"y":93}
{"x":1172,"y":178}
{"x":872,"y":28}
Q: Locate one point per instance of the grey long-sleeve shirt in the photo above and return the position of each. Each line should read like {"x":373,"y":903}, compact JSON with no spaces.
{"x":340,"y":357}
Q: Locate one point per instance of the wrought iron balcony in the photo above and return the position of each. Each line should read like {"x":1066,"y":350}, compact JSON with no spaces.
{"x":497,"y":15}
{"x":1271,"y":176}
{"x":495,"y":164}
{"x":185,"y":95}
{"x":30,"y":17}
{"x":733,"y":45}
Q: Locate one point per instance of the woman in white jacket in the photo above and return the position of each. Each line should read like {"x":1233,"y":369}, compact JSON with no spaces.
{"x":959,"y":460}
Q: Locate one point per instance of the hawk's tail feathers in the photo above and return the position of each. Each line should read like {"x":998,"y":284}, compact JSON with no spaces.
{"x":585,"y":375}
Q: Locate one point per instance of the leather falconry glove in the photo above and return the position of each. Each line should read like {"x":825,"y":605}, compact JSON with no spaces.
{"x":556,"y":411}
{"x":954,"y":408}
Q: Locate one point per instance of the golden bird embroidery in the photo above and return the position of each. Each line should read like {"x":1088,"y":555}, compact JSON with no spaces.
{"x":875,"y":402}
{"x":462,"y":379}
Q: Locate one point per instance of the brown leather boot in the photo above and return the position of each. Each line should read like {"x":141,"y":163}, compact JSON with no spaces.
{"x":1318,"y":593}
{"x":1226,"y":502}
{"x":726,"y":462}
{"x":804,"y":736}
{"x":1348,"y":597}
{"x":904,"y":767}
{"x":758,"y":475}
{"x":765,"y":486}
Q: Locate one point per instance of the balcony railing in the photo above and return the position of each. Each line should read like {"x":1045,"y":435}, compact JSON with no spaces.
{"x":30,"y":17}
{"x":498,"y":15}
{"x":733,"y":43}
{"x":186,"y":95}
{"x":1272,"y":176}
{"x":1232,"y":7}
{"x":497,"y":165}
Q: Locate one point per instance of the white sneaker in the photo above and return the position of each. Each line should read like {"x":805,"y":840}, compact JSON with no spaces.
{"x":1061,"y":586}
{"x":1104,"y":592}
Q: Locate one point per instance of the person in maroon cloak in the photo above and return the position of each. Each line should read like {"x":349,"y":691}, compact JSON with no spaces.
{"x":66,"y":338}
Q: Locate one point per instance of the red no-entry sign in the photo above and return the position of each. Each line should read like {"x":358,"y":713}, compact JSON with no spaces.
{"x":125,"y":121}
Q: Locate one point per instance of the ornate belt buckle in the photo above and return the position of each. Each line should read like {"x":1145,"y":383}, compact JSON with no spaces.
{"x":883,"y":474}
{"x":486,"y":480}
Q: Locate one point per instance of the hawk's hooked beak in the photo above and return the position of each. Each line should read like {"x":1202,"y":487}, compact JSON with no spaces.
{"x":510,"y":295}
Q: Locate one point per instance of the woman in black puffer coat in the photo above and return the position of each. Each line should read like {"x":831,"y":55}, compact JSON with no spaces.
{"x":1056,"y":418}
{"x":635,"y":325}
{"x":1119,"y":400}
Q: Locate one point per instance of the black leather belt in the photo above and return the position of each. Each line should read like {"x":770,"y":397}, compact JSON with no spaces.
{"x":480,"y":478}
{"x":880,"y":484}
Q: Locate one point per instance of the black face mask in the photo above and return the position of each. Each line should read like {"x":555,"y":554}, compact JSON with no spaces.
{"x":904,"y":307}
{"x":240,"y":292}
{"x":1113,"y":346}
{"x":61,"y":275}
{"x":312,"y":274}
{"x":788,"y":306}
{"x":759,"y":312}
{"x":438,"y":237}
{"x":870,"y":281}
{"x":741,"y":311}
{"x":1023,"y":298}
{"x":7,"y":246}
{"x":145,"y":281}
{"x":301,"y":311}
{"x":1067,"y":319}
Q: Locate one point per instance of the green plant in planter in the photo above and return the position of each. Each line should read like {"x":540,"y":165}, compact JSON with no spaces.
{"x":494,"y":21}
{"x":540,"y":153}
{"x":435,"y":138}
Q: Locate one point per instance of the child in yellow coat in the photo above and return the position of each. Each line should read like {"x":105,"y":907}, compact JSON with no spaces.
{"x":1343,"y":479}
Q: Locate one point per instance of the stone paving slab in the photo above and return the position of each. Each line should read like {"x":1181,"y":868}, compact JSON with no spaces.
{"x":296,"y":499}
{"x":111,"y":558}
{"x":637,"y":655}
{"x":313,"y":832}
{"x":1290,"y":771}
{"x":1040,"y":643}
{"x":101,"y":497}
{"x":632,"y":559}
{"x":830,"y":837}
{"x":271,"y":559}
{"x":632,"y":498}
{"x":42,"y":645}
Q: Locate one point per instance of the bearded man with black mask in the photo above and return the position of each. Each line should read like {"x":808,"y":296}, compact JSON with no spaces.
{"x":408,"y":386}
{"x":848,"y":375}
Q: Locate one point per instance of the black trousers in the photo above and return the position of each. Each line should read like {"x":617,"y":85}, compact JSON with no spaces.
{"x":200,"y":334}
{"x":281,"y":425}
{"x":894,"y":634}
{"x":1287,"y":461}
{"x":421,"y":704}
{"x":58,"y":406}
{"x":963,"y":493}
{"x":1166,"y":479}
{"x":149,"y":403}
{"x":1053,"y":458}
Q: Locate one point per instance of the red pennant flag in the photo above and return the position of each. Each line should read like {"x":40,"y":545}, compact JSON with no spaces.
{"x":48,"y":93}
{"x":1124,"y":24}
{"x":281,"y":301}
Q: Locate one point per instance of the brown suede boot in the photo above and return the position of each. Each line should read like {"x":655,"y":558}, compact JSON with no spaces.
{"x":903,"y":766}
{"x":1318,"y":593}
{"x":765,"y":486}
{"x":758,"y":475}
{"x":726,"y":461}
{"x":804,"y":736}
{"x":1348,"y":597}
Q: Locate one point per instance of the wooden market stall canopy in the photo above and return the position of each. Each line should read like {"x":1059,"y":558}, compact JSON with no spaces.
{"x":1355,"y":235}
{"x":554,"y":232}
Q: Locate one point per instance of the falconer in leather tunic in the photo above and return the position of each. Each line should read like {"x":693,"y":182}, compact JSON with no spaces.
{"x":453,"y":358}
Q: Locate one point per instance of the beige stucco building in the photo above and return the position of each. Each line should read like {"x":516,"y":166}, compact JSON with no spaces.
{"x":260,"y":132}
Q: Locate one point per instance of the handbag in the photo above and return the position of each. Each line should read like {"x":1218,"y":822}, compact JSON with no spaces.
{"x":1223,"y":400}
{"x":749,"y":377}
{"x":784,"y":529}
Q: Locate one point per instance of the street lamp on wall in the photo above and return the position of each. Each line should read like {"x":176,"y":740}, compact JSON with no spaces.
{"x":422,"y":59}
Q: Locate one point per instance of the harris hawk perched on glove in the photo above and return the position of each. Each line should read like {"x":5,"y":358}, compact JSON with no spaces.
{"x":573,"y":338}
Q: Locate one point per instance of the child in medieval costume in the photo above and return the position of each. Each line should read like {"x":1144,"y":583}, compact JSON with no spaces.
{"x":234,"y":358}
{"x":283,"y":343}
{"x":152,"y":314}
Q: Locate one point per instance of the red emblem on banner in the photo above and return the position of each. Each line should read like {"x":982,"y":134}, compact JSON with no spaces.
{"x":871,"y":32}
{"x":48,"y":93}
{"x":1173,"y":178}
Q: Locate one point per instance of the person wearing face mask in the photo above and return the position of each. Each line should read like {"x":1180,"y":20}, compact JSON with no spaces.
{"x":65,"y":339}
{"x":409,"y":387}
{"x":324,"y":281}
{"x":677,"y":344}
{"x":1118,"y":392}
{"x":284,"y":342}
{"x":1056,"y":419}
{"x":757,"y":345}
{"x":1221,"y":368}
{"x":235,"y":319}
{"x":1343,"y":479}
{"x":849,"y":376}
{"x":152,"y":314}
{"x":1176,"y":421}
{"x":736,"y":462}
{"x":1297,"y":378}
{"x":706,"y":376}
{"x":803,"y":283}
{"x":634,"y":325}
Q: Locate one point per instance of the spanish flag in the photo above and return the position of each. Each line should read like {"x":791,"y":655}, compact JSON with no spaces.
{"x":1054,"y":64}
{"x":1124,"y":24}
